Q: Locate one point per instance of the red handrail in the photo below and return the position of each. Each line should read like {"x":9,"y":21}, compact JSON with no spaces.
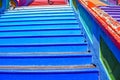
{"x":108,"y":24}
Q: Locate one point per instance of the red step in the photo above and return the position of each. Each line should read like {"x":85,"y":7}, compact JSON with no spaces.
{"x":45,"y":2}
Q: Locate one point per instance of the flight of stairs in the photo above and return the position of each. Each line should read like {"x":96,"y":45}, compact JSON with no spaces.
{"x":44,"y":43}
{"x":113,"y":11}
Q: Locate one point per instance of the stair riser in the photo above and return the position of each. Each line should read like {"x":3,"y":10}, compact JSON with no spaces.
{"x":41,"y":21}
{"x":42,"y":7}
{"x":25,"y":14}
{"x":82,"y":75}
{"x":29,"y":23}
{"x":40,"y":28}
{"x":38,"y":19}
{"x":118,"y":13}
{"x":36,"y":10}
{"x":49,"y":16}
{"x":110,"y":8}
{"x":56,"y":33}
{"x":42,"y":41}
{"x":113,"y":6}
{"x":40,"y":15}
{"x":72,"y":48}
{"x":47,"y":60}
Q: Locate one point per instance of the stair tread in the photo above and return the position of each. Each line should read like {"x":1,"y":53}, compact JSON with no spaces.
{"x":38,"y":9}
{"x":38,"y":23}
{"x":27,"y":14}
{"x":40,"y":28}
{"x":45,"y":48}
{"x":37,"y":19}
{"x":38,"y":12}
{"x":43,"y":7}
{"x":50,"y":12}
{"x":42,"y":41}
{"x":64,"y":15}
{"x":60,"y":58}
{"x":37,"y":15}
{"x":41,"y":33}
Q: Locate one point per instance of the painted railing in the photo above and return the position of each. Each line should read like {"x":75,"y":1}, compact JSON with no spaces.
{"x":24,"y":2}
{"x":104,"y":34}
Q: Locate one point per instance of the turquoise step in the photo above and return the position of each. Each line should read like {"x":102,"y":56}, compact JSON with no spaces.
{"x":40,"y":15}
{"x":42,"y":7}
{"x":53,"y":13}
{"x":40,"y":27}
{"x":29,"y":23}
{"x":59,"y":74}
{"x":65,"y":15}
{"x":80,"y":58}
{"x":38,"y":12}
{"x":38,"y":33}
{"x":37,"y":19}
{"x":39,"y":9}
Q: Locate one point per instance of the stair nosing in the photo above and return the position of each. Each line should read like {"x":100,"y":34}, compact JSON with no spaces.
{"x":48,"y":67}
{"x":44,"y":54}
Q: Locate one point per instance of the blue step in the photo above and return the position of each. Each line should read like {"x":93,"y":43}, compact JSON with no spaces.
{"x":64,"y":15}
{"x":25,"y":14}
{"x":35,"y":10}
{"x":40,"y":27}
{"x":37,"y":19}
{"x":38,"y":12}
{"x":46,"y":58}
{"x":74,"y":74}
{"x":42,"y":8}
{"x":40,"y":15}
{"x":39,"y":33}
{"x":46,"y":48}
{"x":42,"y":41}
{"x":28,"y":23}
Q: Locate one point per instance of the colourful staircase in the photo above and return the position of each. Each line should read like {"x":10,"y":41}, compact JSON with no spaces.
{"x":113,"y":11}
{"x":44,"y":43}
